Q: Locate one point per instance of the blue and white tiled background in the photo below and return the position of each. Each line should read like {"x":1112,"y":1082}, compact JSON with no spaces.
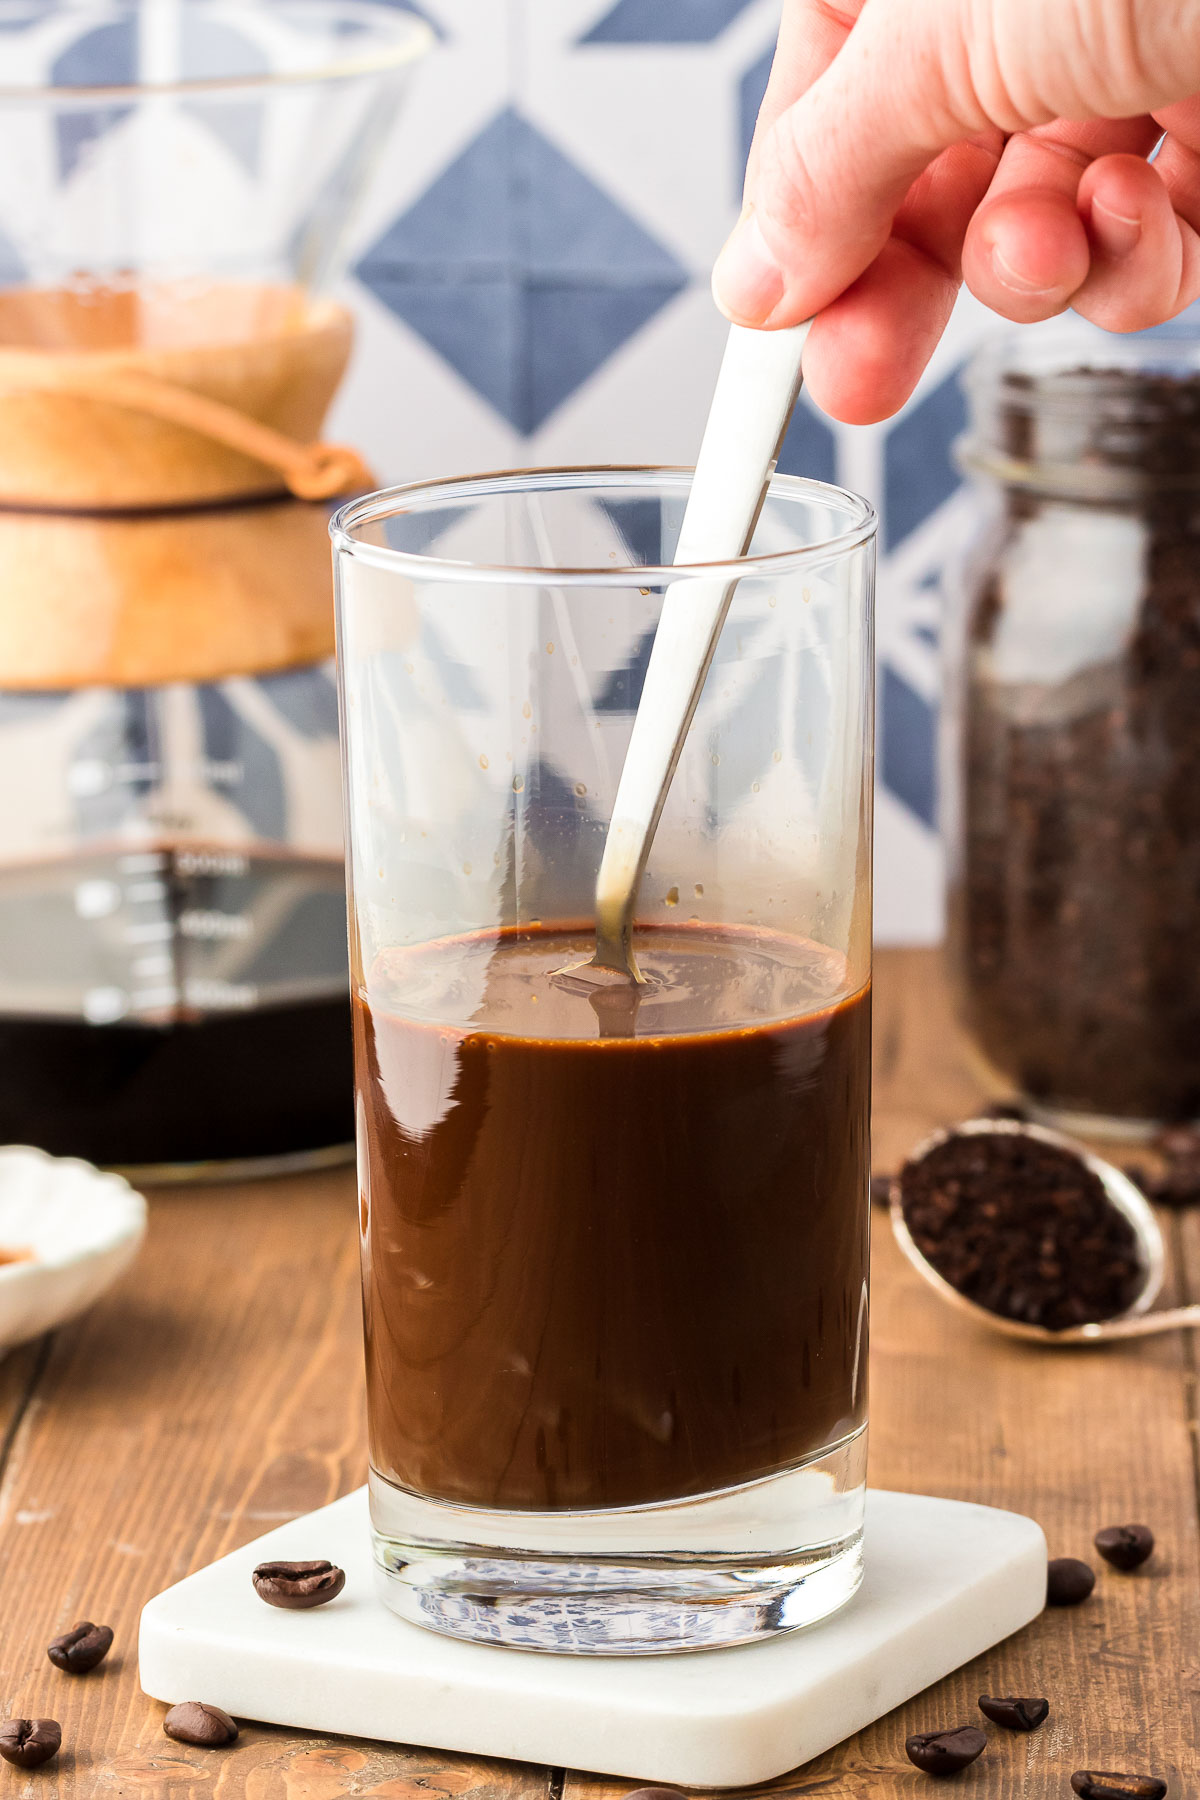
{"x":531,"y":278}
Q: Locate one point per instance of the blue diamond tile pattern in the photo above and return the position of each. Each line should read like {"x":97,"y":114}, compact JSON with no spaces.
{"x":810,"y":446}
{"x":104,"y":57}
{"x":664,"y":21}
{"x":520,"y":271}
{"x":919,"y":471}
{"x":908,"y":745}
{"x":108,"y":56}
{"x":212,"y":50}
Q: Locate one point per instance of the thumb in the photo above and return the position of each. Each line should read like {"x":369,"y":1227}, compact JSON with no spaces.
{"x":834,"y":168}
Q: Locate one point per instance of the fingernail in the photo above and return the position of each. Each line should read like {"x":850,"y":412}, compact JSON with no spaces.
{"x":747,"y":281}
{"x":1116,"y":233}
{"x":1013,"y":278}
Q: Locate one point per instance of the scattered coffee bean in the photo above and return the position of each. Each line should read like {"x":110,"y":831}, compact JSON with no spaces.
{"x":1022,"y":1227}
{"x":298,"y":1584}
{"x":28,"y":1743}
{"x":1179,"y":1182}
{"x":192,"y":1722}
{"x":1125,"y":1546}
{"x":945,"y":1752}
{"x":1014,"y":1714}
{"x":1068,"y":1581}
{"x":81,"y":1648}
{"x":881,"y":1190}
{"x":1094,"y":1785}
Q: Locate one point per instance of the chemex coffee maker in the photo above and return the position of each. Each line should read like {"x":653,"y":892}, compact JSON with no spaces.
{"x":176,"y":180}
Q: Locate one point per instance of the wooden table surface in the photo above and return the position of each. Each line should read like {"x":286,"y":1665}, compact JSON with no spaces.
{"x":217,"y":1391}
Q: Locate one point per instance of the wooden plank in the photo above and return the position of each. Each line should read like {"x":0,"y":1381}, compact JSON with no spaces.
{"x":922,"y":1077}
{"x":216,"y":1392}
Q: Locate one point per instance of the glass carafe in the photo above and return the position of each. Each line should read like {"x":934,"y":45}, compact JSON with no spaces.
{"x":176,"y":181}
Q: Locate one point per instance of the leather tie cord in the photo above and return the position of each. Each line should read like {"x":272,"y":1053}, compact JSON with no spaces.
{"x":310,"y":471}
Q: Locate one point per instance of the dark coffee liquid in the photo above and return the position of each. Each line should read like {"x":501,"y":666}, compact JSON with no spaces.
{"x":174,"y":1005}
{"x":221,"y":1088}
{"x":609,"y":1264}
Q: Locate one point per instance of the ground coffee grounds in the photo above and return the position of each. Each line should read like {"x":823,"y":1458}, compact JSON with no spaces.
{"x":1022,"y":1227}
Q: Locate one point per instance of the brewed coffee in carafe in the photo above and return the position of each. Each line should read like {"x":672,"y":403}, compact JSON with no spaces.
{"x":174,"y":195}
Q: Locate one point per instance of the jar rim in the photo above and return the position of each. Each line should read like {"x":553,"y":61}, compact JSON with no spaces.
{"x":369,"y":509}
{"x":1077,"y":357}
{"x":1069,"y":372}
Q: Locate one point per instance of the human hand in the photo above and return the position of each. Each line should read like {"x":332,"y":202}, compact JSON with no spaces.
{"x":906,"y":145}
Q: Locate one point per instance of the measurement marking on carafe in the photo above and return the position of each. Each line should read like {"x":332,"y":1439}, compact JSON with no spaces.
{"x":211,"y":862}
{"x":154,"y":931}
{"x":147,"y":999}
{"x":207,"y":992}
{"x":208,"y":923}
{"x":141,"y":862}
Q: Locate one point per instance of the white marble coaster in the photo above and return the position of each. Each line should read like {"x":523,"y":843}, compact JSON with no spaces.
{"x":944,"y":1581}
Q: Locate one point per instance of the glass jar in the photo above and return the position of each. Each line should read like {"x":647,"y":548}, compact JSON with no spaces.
{"x":1072,"y":779}
{"x":614,"y":1241}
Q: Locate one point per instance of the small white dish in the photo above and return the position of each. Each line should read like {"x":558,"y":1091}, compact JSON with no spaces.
{"x":74,"y":1230}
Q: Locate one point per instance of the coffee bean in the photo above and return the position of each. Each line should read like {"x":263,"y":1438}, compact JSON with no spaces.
{"x":1125,"y":1546}
{"x":1093,"y":1785}
{"x":1014,"y":1714}
{"x":653,"y":1793}
{"x":28,"y":1743}
{"x":81,"y":1648}
{"x":1068,"y":1581}
{"x":192,"y":1722}
{"x":945,"y":1752}
{"x":298,"y":1584}
{"x":881,"y":1190}
{"x":1178,"y":1184}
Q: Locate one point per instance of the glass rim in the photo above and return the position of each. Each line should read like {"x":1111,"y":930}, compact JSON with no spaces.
{"x":410,"y":38}
{"x":387,"y":502}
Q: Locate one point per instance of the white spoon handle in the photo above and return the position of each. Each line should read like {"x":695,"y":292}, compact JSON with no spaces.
{"x":755,"y":393}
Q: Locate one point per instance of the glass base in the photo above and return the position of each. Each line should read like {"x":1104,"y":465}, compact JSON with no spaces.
{"x":697,"y":1574}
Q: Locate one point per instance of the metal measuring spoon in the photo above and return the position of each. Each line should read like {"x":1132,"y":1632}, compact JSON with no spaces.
{"x":752,"y":404}
{"x":1136,"y":1321}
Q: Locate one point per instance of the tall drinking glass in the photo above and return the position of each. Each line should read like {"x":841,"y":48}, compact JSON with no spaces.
{"x":614,"y":1248}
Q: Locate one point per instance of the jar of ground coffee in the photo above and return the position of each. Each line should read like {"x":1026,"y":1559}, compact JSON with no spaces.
{"x":1072,"y":778}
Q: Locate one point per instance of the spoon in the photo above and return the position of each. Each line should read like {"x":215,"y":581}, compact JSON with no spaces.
{"x":1136,"y":1321}
{"x":752,"y":404}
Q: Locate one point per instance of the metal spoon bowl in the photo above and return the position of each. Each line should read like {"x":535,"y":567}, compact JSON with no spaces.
{"x":1136,"y":1321}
